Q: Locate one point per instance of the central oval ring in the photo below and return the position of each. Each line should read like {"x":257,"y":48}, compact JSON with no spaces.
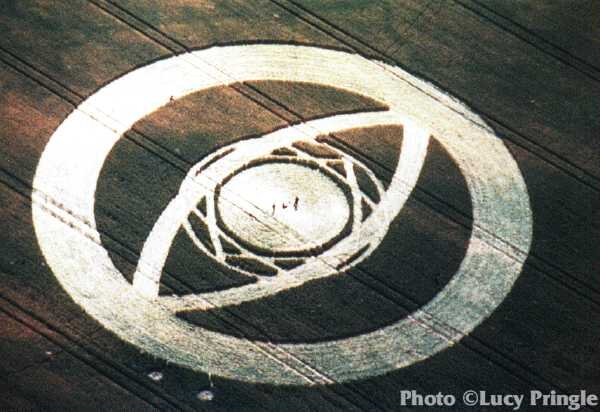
{"x":301,"y":197}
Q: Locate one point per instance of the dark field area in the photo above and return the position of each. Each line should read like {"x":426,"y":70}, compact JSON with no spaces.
{"x":524,"y":231}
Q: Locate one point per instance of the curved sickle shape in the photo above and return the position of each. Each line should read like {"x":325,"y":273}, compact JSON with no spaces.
{"x":369,"y":234}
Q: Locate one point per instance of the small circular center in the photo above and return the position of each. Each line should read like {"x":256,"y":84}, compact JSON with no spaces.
{"x":283,"y":207}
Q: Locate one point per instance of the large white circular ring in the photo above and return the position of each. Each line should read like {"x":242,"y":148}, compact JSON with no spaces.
{"x":63,"y":216}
